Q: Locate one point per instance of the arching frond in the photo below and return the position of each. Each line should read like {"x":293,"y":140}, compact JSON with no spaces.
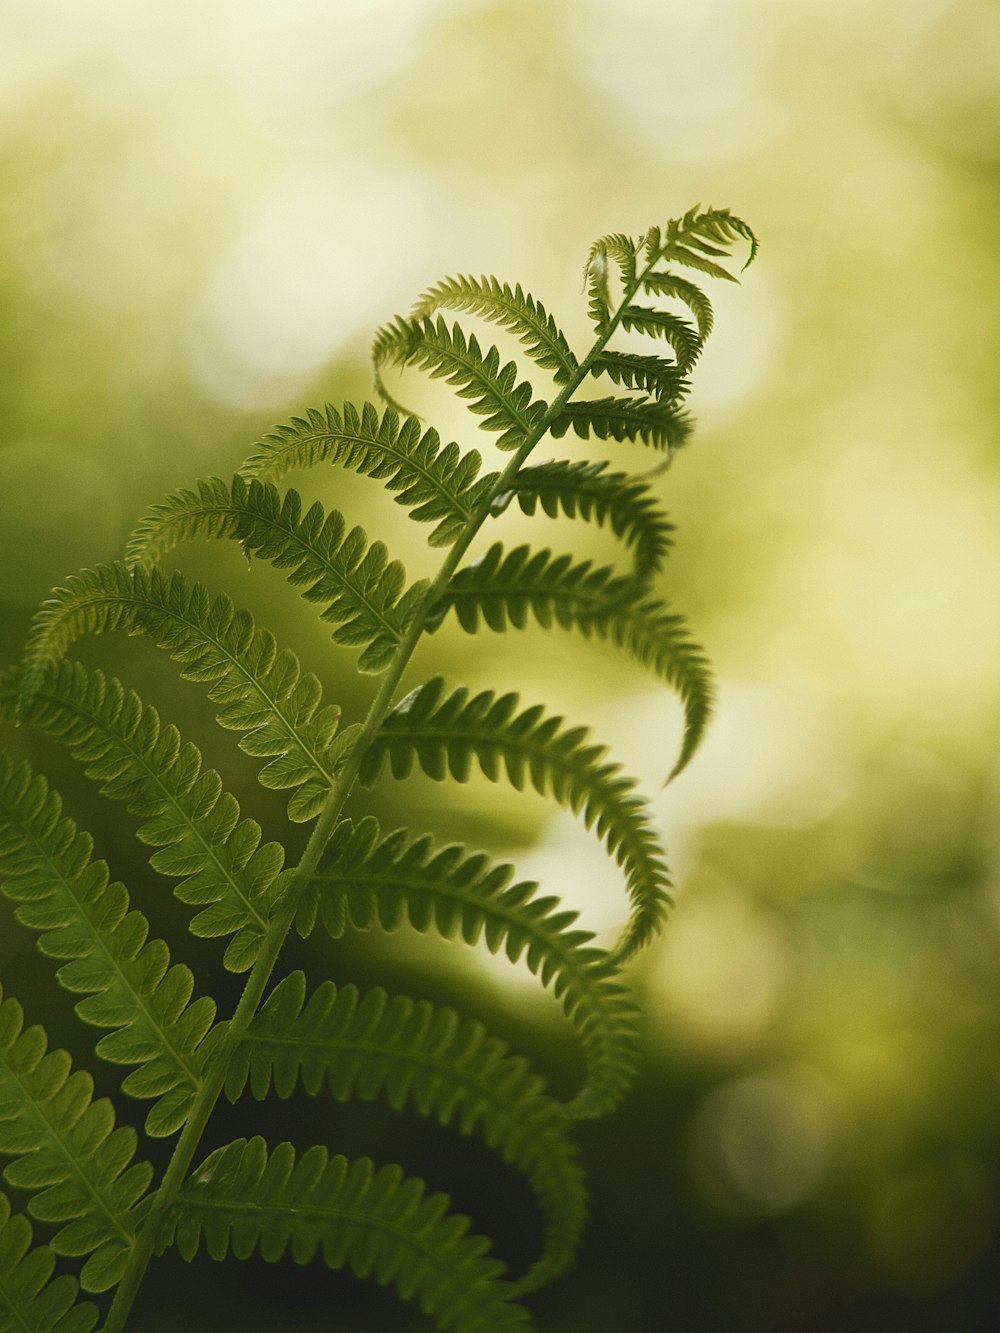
{"x":130,"y":985}
{"x":449,"y":1069}
{"x":223,"y":866}
{"x":97,"y":1201}
{"x":681,"y":336}
{"x":362,"y":591}
{"x":512,"y":309}
{"x":261,"y":688}
{"x":365,"y":880}
{"x":447,"y":735}
{"x":438,"y":485}
{"x":492,"y":391}
{"x":658,"y":424}
{"x":657,"y":376}
{"x":663,"y":283}
{"x":31,"y":1300}
{"x":377,"y":1222}
{"x":595,"y":278}
{"x":67,"y":1152}
{"x":622,"y":251}
{"x":505,"y":589}
{"x":699,"y":238}
{"x":626,"y":504}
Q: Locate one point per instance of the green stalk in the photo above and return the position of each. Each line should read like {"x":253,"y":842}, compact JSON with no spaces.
{"x":277,"y":931}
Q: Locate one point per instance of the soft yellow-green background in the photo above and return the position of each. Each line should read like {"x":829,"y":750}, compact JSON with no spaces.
{"x":206,"y":210}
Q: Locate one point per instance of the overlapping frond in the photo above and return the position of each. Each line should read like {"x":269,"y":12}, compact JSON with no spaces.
{"x":503,"y":589}
{"x":659,"y":424}
{"x":511,"y":308}
{"x":438,"y":485}
{"x":361,"y":590}
{"x":377,"y":1222}
{"x":626,"y":504}
{"x":449,"y":1069}
{"x":365,"y":880}
{"x":67,"y":1152}
{"x":492,"y":391}
{"x":85,"y":919}
{"x":261,"y":688}
{"x":448,"y":735}
{"x":223,"y":867}
{"x":31,"y":1300}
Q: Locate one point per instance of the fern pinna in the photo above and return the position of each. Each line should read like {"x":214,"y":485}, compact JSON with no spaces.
{"x":81,"y":1174}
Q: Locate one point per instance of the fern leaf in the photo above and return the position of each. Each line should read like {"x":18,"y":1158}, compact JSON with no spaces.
{"x":663,"y":283}
{"x":595,"y":277}
{"x":438,"y":485}
{"x":621,"y":250}
{"x":86,"y":919}
{"x":378,"y":1223}
{"x":364,"y":879}
{"x":448,"y":735}
{"x":491,"y":390}
{"x":655,"y":423}
{"x":626,"y":504}
{"x":223,"y":867}
{"x":504,"y":589}
{"x":67,"y":1151}
{"x":512,"y":309}
{"x":362,"y":591}
{"x":654,"y":374}
{"x":31,"y":1301}
{"x":699,"y":238}
{"x":681,"y":336}
{"x":262,"y":690}
{"x":449,"y":1069}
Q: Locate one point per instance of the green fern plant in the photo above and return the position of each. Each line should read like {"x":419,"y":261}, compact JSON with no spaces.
{"x":82,"y":1174}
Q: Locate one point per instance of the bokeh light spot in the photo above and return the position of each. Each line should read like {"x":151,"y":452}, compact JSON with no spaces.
{"x":762,"y":1144}
{"x":719,"y":973}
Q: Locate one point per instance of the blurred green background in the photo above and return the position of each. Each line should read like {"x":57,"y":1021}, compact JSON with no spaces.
{"x":207,"y":209}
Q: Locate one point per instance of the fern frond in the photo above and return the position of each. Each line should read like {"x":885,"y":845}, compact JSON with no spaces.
{"x":86,"y":919}
{"x":626,"y":504}
{"x":364,"y":879}
{"x":378,"y":1223}
{"x":504,"y":589}
{"x":661,"y":283}
{"x":449,"y":1069}
{"x":491,"y":390}
{"x":653,"y":422}
{"x":447,"y":735}
{"x":623,"y":251}
{"x":654,"y":374}
{"x":513,"y":309}
{"x":67,"y":1152}
{"x":438,"y":485}
{"x":681,"y":336}
{"x":362,"y":590}
{"x":595,"y":278}
{"x":223,"y":867}
{"x":262,"y":689}
{"x":700,"y":237}
{"x":31,"y":1301}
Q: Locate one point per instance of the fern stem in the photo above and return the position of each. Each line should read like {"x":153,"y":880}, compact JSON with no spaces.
{"x":279,"y":926}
